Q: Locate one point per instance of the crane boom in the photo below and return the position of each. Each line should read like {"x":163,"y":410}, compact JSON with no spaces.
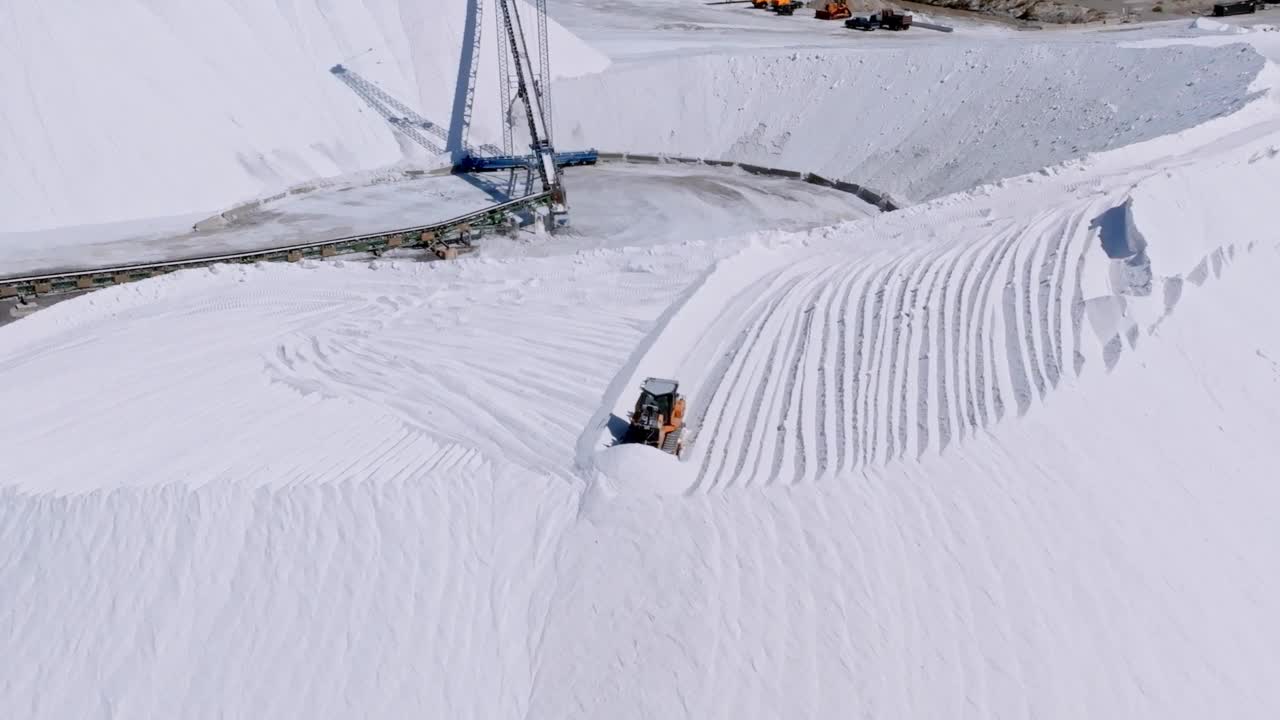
{"x":468,"y":69}
{"x":544,"y":67}
{"x":528,"y":92}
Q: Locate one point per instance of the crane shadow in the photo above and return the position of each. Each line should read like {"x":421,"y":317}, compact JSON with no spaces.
{"x":435,"y":138}
{"x":498,"y":192}
{"x":401,"y":117}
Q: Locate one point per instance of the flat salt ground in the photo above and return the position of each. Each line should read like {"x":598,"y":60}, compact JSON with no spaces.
{"x":313,"y":217}
{"x":612,"y":206}
{"x":621,"y":205}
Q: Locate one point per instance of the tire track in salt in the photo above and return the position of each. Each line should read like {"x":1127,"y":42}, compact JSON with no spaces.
{"x":766,"y":398}
{"x":923,"y":348}
{"x":1050,"y":264}
{"x":966,"y":302}
{"x":734,"y":370}
{"x":832,"y":324}
{"x":857,"y":390}
{"x":1072,"y":240}
{"x":842,"y":367}
{"x":944,"y":400}
{"x":988,"y":380}
{"x":1013,"y":343}
{"x":960,"y":349}
{"x":749,"y":340}
{"x":1065,"y":244}
{"x":871,"y":405}
{"x":846,"y":399}
{"x":813,"y":376}
{"x":870,"y":360}
{"x":1070,"y":316}
{"x":1037,"y":233}
{"x":896,"y":411}
{"x":796,"y":419}
{"x":909,"y":339}
{"x":800,"y":324}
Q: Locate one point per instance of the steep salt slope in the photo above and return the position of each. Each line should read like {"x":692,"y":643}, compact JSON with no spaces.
{"x":148,"y":109}
{"x":993,"y":457}
{"x":947,"y":317}
{"x":918,"y":120}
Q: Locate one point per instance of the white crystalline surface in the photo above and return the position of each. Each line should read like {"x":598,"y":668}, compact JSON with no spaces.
{"x":1007,"y":453}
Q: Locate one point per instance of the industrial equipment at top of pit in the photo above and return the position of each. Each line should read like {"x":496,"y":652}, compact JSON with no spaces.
{"x":522,"y":84}
{"x":887,"y":19}
{"x":658,"y":418}
{"x":838,"y":10}
{"x":784,"y":7}
{"x":532,"y":89}
{"x":537,"y":106}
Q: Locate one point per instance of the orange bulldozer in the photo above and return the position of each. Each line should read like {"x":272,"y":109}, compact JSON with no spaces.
{"x":837,"y":10}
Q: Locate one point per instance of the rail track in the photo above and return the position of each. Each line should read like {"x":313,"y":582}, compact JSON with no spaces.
{"x":881,"y":200}
{"x":446,"y":238}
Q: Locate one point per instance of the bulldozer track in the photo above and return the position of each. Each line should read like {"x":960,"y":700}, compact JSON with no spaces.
{"x":849,"y":362}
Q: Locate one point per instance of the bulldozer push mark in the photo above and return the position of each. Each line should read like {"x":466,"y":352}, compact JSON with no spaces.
{"x":837,"y":362}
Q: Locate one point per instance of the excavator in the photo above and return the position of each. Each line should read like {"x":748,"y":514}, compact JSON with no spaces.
{"x":658,"y":420}
{"x":784,"y":7}
{"x":837,"y":10}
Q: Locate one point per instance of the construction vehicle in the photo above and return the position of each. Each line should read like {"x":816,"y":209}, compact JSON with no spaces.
{"x":894,"y":20}
{"x":784,"y":7}
{"x":658,"y":420}
{"x":1223,"y":9}
{"x":838,"y":10}
{"x":886,"y":19}
{"x":760,"y":4}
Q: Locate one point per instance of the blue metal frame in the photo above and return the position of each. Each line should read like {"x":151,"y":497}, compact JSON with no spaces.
{"x":473,"y":163}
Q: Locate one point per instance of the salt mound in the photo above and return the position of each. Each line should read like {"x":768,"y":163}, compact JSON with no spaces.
{"x":137,"y":109}
{"x":1207,"y":25}
{"x":994,"y":111}
{"x":642,"y":469}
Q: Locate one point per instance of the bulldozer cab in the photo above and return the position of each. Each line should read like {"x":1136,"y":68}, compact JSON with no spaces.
{"x":658,"y":417}
{"x":657,"y":400}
